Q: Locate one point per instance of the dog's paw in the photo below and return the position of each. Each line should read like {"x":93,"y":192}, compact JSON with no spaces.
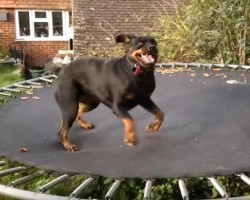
{"x":85,"y":124}
{"x":131,"y":141}
{"x":88,"y":126}
{"x":70,"y":147}
{"x":154,"y":126}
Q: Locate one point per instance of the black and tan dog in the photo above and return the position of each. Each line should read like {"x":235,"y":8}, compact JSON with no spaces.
{"x":119,"y":83}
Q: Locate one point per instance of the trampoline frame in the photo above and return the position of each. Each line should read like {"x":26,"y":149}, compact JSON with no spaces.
{"x":9,"y":190}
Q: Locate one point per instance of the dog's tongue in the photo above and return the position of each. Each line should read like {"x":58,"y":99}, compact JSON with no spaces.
{"x":148,"y":58}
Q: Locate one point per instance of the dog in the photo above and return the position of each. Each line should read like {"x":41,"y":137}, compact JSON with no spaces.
{"x":119,"y":83}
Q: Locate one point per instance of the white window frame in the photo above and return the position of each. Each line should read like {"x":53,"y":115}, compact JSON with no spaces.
{"x":51,"y":37}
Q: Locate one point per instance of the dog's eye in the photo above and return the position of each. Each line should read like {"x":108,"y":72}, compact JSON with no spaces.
{"x":140,"y":44}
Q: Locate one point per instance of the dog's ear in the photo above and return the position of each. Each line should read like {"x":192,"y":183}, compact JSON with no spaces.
{"x":124,"y":38}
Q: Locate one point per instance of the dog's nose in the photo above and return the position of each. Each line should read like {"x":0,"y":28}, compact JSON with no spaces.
{"x":151,"y":47}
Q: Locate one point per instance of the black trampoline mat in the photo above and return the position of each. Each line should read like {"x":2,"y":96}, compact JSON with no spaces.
{"x":206,"y":131}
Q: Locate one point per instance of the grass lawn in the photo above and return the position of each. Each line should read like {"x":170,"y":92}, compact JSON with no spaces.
{"x":9,"y":76}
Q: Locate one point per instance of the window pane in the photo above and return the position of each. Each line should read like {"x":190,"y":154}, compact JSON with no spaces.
{"x":40,"y":14}
{"x":57,"y":23}
{"x":41,"y":29}
{"x":24,"y":23}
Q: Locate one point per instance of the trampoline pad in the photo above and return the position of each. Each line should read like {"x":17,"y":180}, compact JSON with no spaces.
{"x":205,"y":132}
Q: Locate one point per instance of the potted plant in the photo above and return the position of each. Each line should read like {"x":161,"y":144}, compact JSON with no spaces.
{"x":36,"y":71}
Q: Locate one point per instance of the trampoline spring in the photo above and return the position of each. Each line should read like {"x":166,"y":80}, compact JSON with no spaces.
{"x":34,"y":83}
{"x":53,"y":183}
{"x":183,"y":189}
{"x":245,"y":67}
{"x":245,"y":178}
{"x":12,"y":90}
{"x":112,"y":190}
{"x":2,"y":163}
{"x":11,"y":171}
{"x":219,"y":65}
{"x":81,"y":187}
{"x":193,"y":65}
{"x":26,"y":179}
{"x":46,"y":80}
{"x":6,"y":94}
{"x":22,"y":86}
{"x":218,"y":187}
{"x":205,"y":65}
{"x":210,"y":66}
{"x":162,"y":65}
{"x":54,"y":76}
{"x":147,"y":190}
{"x":233,"y":66}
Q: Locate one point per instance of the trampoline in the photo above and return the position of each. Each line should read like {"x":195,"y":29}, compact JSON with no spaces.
{"x":205,"y":133}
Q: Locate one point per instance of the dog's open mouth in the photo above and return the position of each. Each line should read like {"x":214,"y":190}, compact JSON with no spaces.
{"x":145,"y":58}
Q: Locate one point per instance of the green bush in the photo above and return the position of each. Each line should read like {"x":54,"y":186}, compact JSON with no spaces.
{"x":213,"y":30}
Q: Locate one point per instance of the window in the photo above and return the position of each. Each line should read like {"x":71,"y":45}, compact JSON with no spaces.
{"x":32,"y":25}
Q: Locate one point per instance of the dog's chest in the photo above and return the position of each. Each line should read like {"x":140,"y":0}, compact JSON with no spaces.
{"x":139,"y":89}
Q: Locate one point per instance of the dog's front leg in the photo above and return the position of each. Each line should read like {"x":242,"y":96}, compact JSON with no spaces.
{"x":130,"y":137}
{"x":150,"y":106}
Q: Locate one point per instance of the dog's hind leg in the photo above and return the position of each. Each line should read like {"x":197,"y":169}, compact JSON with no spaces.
{"x":69,"y":107}
{"x":87,"y":103}
{"x":83,"y":108}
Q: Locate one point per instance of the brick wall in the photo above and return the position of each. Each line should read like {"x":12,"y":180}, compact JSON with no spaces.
{"x":36,"y":4}
{"x":96,"y":21}
{"x":38,"y":52}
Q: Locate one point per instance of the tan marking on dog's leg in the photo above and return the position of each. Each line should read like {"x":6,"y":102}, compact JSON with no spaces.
{"x":84,"y":124}
{"x":130,"y":95}
{"x":130,"y":137}
{"x":65,"y":142}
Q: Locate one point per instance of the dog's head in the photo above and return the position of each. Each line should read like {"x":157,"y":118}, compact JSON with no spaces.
{"x":141,"y":50}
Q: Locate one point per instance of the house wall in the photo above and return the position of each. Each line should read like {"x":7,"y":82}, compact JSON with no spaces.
{"x":36,"y":4}
{"x":39,"y":52}
{"x":95,"y":22}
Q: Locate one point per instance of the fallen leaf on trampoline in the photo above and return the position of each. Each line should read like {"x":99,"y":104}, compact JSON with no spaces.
{"x":234,"y":82}
{"x":192,"y":75}
{"x":206,"y":75}
{"x":35,"y":97}
{"x":24,"y":98}
{"x":23,"y":149}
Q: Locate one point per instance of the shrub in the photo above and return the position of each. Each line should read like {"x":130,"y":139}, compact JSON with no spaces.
{"x":215,"y":30}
